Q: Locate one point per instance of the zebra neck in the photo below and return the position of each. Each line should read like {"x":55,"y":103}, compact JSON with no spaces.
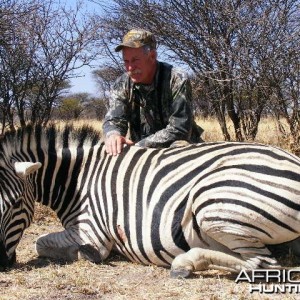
{"x":64,"y":181}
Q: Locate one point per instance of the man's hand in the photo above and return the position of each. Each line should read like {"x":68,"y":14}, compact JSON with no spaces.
{"x":115,"y":143}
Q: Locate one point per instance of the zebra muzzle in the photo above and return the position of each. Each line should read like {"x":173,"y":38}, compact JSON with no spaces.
{"x":5,"y":261}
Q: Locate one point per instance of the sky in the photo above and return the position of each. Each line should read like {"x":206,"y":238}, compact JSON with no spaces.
{"x":85,"y":83}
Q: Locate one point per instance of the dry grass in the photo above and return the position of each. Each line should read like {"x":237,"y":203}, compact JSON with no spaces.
{"x":268,"y":132}
{"x":38,"y":278}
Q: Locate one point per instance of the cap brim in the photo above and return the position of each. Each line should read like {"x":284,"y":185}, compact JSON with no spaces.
{"x":129,"y":45}
{"x":119,"y":48}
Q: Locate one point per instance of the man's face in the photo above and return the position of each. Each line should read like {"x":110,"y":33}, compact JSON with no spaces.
{"x":139,"y":64}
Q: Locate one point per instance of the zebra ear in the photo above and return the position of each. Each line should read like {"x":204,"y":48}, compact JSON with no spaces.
{"x":25,"y":168}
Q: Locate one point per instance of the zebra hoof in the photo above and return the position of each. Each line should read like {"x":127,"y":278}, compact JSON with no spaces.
{"x":180,"y":273}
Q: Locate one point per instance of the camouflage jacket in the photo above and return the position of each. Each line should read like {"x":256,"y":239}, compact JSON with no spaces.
{"x":156,"y":115}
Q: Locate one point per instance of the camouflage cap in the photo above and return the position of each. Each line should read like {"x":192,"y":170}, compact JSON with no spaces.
{"x":137,"y":38}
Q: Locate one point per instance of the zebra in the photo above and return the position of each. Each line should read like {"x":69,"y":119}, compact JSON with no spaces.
{"x":214,"y":205}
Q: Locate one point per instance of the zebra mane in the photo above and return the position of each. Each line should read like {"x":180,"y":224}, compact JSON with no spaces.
{"x":50,"y":136}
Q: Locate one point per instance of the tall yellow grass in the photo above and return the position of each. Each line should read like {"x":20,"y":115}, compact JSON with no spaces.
{"x":268,"y":132}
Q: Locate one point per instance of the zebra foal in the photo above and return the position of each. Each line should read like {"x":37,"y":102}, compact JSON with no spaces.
{"x":213,"y":205}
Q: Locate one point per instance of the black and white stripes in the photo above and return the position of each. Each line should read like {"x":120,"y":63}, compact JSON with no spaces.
{"x":154,"y":204}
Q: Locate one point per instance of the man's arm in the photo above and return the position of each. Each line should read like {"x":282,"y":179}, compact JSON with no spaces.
{"x":115,"y":123}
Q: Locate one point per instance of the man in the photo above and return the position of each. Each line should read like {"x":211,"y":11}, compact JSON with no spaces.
{"x":152,"y":99}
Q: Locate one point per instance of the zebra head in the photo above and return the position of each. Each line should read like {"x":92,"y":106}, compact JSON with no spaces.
{"x":16,"y":206}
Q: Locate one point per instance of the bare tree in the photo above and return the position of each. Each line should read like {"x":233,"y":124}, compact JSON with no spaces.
{"x":230,"y":46}
{"x":14,"y":62}
{"x":48,"y":44}
{"x":283,"y":76}
{"x":105,"y":77}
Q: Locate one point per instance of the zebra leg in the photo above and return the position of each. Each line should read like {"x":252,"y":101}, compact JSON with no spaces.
{"x":234,"y":247}
{"x":241,"y":241}
{"x":70,"y":245}
{"x":242,"y":253}
{"x":199,"y":259}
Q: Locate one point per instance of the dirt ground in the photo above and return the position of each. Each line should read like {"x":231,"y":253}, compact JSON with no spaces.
{"x":39,"y":278}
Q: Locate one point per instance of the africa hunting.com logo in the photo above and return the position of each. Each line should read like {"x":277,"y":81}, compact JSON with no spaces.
{"x":271,"y":281}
